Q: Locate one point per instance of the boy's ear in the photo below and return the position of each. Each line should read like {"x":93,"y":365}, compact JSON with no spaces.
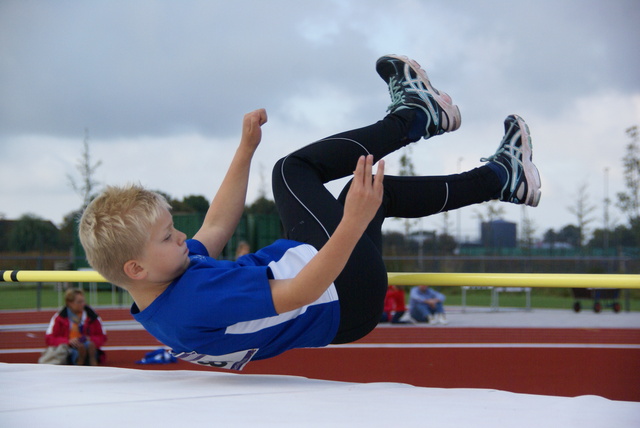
{"x":134,"y":270}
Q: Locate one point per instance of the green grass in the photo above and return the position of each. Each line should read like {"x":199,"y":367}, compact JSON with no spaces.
{"x":540,"y":298}
{"x":28,"y":296}
{"x":25,"y":296}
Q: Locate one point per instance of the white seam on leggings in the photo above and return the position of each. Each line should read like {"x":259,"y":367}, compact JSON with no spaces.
{"x":446,"y":199}
{"x":298,"y":199}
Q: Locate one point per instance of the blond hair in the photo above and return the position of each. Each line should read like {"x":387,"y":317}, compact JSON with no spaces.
{"x":115,"y":227}
{"x":71,"y":293}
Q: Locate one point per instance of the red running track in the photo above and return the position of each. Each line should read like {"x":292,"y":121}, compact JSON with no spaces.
{"x":554,"y":361}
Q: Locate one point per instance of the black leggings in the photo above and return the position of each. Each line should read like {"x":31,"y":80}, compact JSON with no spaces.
{"x":310,"y":213}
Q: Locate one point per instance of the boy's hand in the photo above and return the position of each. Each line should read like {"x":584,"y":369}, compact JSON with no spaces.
{"x":365,"y":194}
{"x":251,"y":131}
{"x":227,"y":206}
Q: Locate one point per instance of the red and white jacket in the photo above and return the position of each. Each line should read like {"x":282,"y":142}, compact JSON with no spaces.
{"x":58,"y":330}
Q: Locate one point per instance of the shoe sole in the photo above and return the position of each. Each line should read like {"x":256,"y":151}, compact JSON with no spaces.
{"x":441,"y":98}
{"x":531,"y":174}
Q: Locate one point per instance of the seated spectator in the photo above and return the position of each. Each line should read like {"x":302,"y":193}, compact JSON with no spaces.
{"x":394,"y":306}
{"x":427,"y":305}
{"x":79,"y":327}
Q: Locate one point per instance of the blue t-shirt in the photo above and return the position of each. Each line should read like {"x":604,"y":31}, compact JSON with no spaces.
{"x":221,"y":313}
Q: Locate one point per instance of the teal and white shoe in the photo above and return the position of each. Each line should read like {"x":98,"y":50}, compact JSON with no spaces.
{"x":409,"y":87}
{"x":514,"y":156}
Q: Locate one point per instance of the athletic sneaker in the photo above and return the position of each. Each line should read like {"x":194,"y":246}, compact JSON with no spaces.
{"x":513,"y":156}
{"x":441,"y":319}
{"x":409,"y":87}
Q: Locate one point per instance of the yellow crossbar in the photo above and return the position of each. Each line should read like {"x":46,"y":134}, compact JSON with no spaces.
{"x":543,"y":280}
{"x":51,"y":276}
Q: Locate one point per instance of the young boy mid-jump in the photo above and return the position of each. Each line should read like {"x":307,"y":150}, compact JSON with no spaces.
{"x":326,"y":282}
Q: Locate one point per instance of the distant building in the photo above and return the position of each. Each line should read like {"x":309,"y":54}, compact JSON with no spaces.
{"x":498,"y":234}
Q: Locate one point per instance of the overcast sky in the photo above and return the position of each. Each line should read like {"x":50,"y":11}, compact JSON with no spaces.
{"x":161,"y":87}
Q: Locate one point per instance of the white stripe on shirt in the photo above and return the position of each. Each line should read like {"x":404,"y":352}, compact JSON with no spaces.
{"x":292,"y":262}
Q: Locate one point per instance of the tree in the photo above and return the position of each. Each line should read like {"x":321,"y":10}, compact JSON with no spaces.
{"x":446,"y":223}
{"x":446,"y":243}
{"x":407,"y":170}
{"x":262,"y":205}
{"x":193,"y":203}
{"x":550,"y":236}
{"x":32,"y":233}
{"x":569,"y":234}
{"x":629,"y":201}
{"x":68,"y":228}
{"x":197,"y":203}
{"x":582,"y":210}
{"x":528,"y":230}
{"x":87,"y":185}
{"x":494,"y":211}
{"x":619,"y":236}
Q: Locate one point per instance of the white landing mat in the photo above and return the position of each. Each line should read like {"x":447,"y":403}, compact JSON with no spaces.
{"x":34,"y":395}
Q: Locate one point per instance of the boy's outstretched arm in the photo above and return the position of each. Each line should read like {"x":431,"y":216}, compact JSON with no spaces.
{"x":227,"y":206}
{"x":362,"y":202}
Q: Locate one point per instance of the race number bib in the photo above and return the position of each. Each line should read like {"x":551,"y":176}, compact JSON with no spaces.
{"x":233,"y":361}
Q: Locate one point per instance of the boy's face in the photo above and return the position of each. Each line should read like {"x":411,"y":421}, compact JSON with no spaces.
{"x":165,"y":255}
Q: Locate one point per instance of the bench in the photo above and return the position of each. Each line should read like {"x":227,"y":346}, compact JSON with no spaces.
{"x":495,"y":295}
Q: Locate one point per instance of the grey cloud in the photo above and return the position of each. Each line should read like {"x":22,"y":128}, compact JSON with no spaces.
{"x":156,"y":68}
{"x":131,"y":70}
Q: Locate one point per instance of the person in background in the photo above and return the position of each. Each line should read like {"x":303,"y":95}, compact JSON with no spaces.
{"x":243,"y":249}
{"x":394,"y":305}
{"x":427,"y":305}
{"x":78,"y":326}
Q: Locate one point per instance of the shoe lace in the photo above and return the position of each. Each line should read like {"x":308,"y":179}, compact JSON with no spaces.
{"x":506,"y":149}
{"x":396,"y":92}
{"x":493,"y":156}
